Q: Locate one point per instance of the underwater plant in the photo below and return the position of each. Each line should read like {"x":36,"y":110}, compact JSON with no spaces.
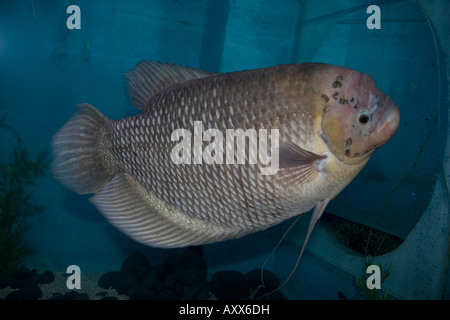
{"x":15,"y":204}
{"x":360,"y":238}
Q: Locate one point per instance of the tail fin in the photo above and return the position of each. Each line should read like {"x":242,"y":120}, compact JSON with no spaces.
{"x":77,"y":161}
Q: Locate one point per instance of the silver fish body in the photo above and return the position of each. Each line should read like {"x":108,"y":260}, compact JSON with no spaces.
{"x":318,"y":110}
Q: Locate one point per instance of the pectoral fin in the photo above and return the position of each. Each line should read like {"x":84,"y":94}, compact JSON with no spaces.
{"x":297,"y":165}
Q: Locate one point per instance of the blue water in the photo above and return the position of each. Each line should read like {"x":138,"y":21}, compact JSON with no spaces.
{"x":47,"y":69}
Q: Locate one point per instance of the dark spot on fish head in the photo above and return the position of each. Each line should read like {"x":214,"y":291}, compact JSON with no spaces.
{"x":325,"y":97}
{"x":338,"y":82}
{"x":343,"y":101}
{"x":355,"y":155}
{"x":348,"y":142}
{"x":335,"y":95}
{"x":355,"y":105}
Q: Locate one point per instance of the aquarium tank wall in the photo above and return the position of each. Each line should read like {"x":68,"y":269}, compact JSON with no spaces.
{"x":394,"y":215}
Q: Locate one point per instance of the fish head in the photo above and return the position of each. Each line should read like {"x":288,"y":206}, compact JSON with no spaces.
{"x":358,"y":118}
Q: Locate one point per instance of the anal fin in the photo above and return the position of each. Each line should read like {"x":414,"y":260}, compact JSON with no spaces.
{"x":147,"y":219}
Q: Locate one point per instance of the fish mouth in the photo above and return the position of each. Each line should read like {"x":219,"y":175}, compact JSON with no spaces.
{"x":387,"y":125}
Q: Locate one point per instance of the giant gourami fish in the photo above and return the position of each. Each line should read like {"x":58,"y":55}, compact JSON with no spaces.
{"x":322,"y":121}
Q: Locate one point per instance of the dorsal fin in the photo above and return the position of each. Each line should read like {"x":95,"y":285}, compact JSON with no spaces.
{"x":150,"y":77}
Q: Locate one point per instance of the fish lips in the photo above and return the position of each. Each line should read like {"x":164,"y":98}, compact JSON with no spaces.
{"x":386,"y":126}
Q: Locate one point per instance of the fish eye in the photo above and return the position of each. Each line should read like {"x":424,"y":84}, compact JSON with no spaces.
{"x":364,"y":119}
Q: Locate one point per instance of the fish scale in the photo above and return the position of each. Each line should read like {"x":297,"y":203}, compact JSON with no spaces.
{"x":127,"y":162}
{"x":194,"y":206}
